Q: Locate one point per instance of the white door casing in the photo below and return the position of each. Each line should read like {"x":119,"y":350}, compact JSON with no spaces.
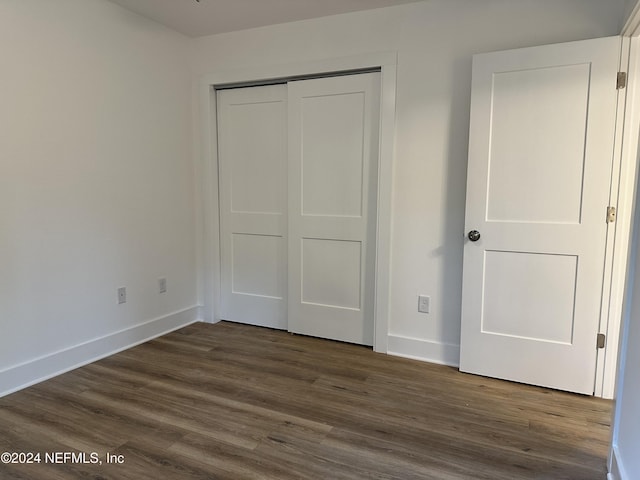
{"x":252,"y":156}
{"x":540,"y":156}
{"x":333,"y":160}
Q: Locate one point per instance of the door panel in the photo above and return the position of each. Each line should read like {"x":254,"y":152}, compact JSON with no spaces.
{"x":509,"y":294}
{"x":540,"y":157}
{"x":252,"y":142}
{"x":333,"y":151}
{"x":332,"y":155}
{"x":255,"y":263}
{"x":546,"y":101}
{"x":330,"y":273}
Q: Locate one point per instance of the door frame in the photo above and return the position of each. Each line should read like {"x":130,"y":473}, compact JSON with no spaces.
{"x":623,"y":179}
{"x":630,"y":155}
{"x":206,"y":170}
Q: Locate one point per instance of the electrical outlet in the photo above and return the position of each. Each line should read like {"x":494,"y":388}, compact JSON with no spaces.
{"x":424,"y":303}
{"x":162,"y":285}
{"x":122,"y":295}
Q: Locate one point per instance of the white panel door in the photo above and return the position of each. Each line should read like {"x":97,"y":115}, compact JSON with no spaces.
{"x":540,"y":157}
{"x":252,"y":158}
{"x":333,"y":158}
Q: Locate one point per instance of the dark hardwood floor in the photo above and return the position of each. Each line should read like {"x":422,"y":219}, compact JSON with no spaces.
{"x":229,"y":401}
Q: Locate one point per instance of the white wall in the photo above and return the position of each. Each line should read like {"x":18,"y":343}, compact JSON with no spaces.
{"x":96,"y":183}
{"x":434,"y":41}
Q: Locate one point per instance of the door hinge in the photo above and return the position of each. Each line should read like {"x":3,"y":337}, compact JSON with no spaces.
{"x":611,"y":214}
{"x":622,"y":80}
{"x":601,"y":340}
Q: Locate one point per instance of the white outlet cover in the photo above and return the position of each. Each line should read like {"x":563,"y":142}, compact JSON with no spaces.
{"x":122,"y":295}
{"x":424,"y":303}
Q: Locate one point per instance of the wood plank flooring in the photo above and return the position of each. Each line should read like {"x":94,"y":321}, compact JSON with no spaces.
{"x":230,"y":401}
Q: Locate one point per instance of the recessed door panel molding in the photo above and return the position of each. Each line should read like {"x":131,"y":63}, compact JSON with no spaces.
{"x":256,"y":261}
{"x":252,"y":158}
{"x":544,"y":103}
{"x":331,"y":271}
{"x":257,"y":179}
{"x":333,"y":160}
{"x":539,"y":172}
{"x":332,"y":154}
{"x":537,"y":290}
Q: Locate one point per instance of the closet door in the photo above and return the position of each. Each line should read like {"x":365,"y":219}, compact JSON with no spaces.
{"x":333,"y":152}
{"x":252,"y":156}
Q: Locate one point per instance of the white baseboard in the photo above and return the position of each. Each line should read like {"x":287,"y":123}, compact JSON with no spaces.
{"x":417,"y":349}
{"x":617,"y":469}
{"x":39,"y":369}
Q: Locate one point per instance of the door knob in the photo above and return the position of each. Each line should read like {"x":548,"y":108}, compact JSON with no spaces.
{"x":474,"y":235}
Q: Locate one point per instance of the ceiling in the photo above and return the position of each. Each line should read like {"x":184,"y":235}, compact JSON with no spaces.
{"x":206,"y":17}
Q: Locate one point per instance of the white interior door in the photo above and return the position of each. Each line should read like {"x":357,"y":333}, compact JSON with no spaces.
{"x":540,"y":157}
{"x":333,"y":152}
{"x":252,"y":159}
